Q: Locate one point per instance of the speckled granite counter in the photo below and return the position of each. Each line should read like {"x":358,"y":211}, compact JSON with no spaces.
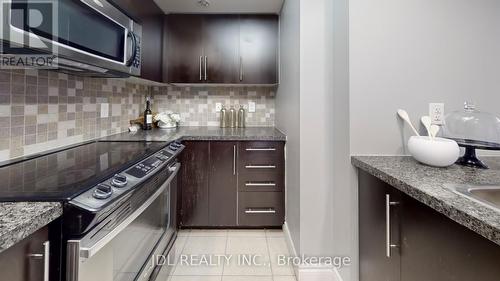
{"x":428,"y":185}
{"x":202,"y":133}
{"x":20,"y":219}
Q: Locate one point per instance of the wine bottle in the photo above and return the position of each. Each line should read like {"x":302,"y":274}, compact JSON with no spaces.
{"x":148,"y":116}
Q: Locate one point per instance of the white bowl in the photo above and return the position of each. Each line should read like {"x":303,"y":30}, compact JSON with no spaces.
{"x":438,"y":152}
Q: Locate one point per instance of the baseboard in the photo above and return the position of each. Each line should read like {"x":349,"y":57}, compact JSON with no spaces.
{"x":309,"y":273}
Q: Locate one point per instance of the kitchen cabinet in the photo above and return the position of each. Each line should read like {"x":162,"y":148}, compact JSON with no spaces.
{"x":259,"y":49}
{"x":236,"y":184}
{"x":429,"y":246}
{"x":377,"y":217}
{"x":184,"y":52}
{"x":222,"y":184}
{"x":26,"y":260}
{"x":222,"y":49}
{"x":193,"y":179}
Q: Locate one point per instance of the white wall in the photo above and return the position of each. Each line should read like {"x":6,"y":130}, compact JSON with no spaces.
{"x":316,"y":130}
{"x":288,"y":109}
{"x":407,"y":53}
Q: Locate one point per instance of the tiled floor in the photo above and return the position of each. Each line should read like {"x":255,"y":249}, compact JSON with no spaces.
{"x":263,"y":245}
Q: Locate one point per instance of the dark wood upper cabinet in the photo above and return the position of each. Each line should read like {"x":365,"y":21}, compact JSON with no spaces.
{"x":222,"y":49}
{"x":259,"y":49}
{"x":184,"y":52}
{"x":221,"y":35}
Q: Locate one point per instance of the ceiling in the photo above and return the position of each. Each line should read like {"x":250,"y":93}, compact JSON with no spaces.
{"x":221,"y":6}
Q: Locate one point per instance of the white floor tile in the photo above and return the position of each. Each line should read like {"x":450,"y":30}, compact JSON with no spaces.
{"x":247,"y":245}
{"x":183,"y":232}
{"x":247,"y":233}
{"x":195,"y":278}
{"x":205,"y":245}
{"x":208,"y":233}
{"x":284,"y":278}
{"x":278,"y":249}
{"x":247,"y":278}
{"x":274,"y":233}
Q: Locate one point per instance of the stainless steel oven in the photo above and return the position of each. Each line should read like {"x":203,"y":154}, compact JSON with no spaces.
{"x":87,"y":36}
{"x":122,"y":246}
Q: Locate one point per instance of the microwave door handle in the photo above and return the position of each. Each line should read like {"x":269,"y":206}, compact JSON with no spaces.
{"x":131,"y":59}
{"x":87,"y":251}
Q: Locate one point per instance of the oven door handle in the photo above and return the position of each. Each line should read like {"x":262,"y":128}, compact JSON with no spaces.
{"x":88,"y":250}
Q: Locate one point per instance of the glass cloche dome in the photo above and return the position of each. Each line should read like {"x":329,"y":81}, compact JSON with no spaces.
{"x":472,"y":129}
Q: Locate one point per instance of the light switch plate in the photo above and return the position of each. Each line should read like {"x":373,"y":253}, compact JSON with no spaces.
{"x":436,"y":112}
{"x":251,"y":106}
{"x":104,"y":110}
{"x":218,"y":106}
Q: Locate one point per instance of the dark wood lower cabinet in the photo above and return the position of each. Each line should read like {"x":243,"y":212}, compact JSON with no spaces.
{"x":193,"y":203}
{"x":222,"y":183}
{"x":217,"y":190}
{"x":430,"y":246}
{"x":25,"y":261}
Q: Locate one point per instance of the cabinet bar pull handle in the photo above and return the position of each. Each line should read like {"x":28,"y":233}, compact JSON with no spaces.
{"x":46,"y":259}
{"x":241,"y":68}
{"x":260,"y":166}
{"x":201,"y":62}
{"x":260,"y":211}
{"x":234,"y":159}
{"x":260,"y":184}
{"x":261,"y":149}
{"x":388,"y":245}
{"x":206,"y":62}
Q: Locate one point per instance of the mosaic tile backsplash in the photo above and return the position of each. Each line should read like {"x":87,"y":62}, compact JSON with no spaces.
{"x":41,"y":110}
{"x":197,"y":105}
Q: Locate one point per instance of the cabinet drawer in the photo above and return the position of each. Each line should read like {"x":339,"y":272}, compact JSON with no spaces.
{"x":255,"y":152}
{"x":262,"y":181}
{"x":260,"y":208}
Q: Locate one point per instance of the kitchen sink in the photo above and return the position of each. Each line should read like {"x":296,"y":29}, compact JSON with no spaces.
{"x":486,"y":194}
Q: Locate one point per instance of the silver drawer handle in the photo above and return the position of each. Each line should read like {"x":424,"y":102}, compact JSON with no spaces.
{"x":260,"y":166}
{"x":260,"y":184}
{"x":261,"y":211}
{"x":388,"y":244}
{"x":261,"y":149}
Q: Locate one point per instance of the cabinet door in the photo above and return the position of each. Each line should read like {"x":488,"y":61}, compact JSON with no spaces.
{"x":220,"y":47}
{"x":152,"y":32}
{"x":374,"y":262}
{"x":184,"y":48}
{"x":193,"y":207}
{"x":223,"y":184}
{"x":18,"y":262}
{"x":259,"y":35}
{"x":435,"y":248}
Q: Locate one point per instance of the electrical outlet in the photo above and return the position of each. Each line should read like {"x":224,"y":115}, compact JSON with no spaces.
{"x":436,"y":112}
{"x":218,"y":106}
{"x":104,"y":110}
{"x":251,"y":106}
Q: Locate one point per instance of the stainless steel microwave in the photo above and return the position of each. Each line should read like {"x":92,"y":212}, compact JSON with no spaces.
{"x":88,"y":37}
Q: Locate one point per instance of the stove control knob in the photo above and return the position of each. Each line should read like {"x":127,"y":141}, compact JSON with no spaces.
{"x":173,"y":147}
{"x":103,"y":191}
{"x":119,"y":180}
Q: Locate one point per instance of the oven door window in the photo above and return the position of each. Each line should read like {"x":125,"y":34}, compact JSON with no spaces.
{"x":123,"y":258}
{"x":79,"y":26}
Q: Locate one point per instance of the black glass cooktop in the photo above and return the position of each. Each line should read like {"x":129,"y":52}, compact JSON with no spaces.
{"x":62,"y":175}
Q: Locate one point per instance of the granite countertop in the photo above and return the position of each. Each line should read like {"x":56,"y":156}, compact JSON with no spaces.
{"x":18,"y":220}
{"x":202,"y":133}
{"x":429,"y":186}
